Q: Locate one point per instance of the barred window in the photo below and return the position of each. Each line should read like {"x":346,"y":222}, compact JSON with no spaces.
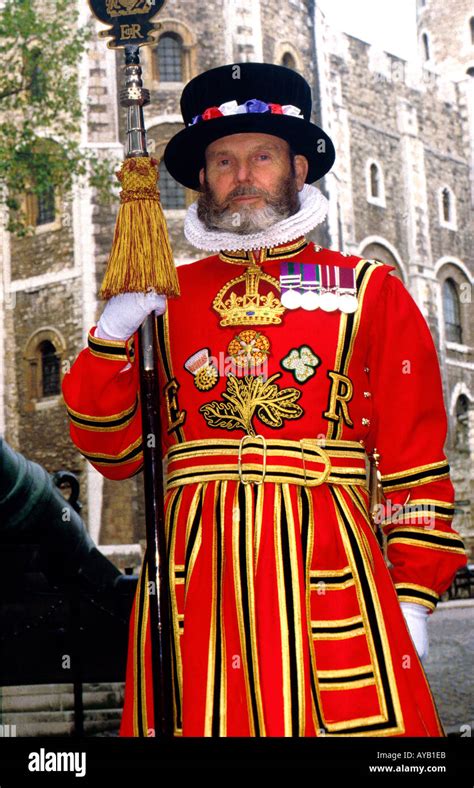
{"x":46,"y":212}
{"x":50,"y":378}
{"x":170,"y":58}
{"x":172,"y":194}
{"x":452,"y":311}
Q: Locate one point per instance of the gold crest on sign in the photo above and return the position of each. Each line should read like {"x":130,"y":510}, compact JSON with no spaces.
{"x":251,"y":299}
{"x":127,"y":7}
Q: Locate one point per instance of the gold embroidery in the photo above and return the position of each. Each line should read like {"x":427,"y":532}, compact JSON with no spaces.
{"x":175,"y":416}
{"x":342,"y":673}
{"x":250,"y":307}
{"x":317,"y":709}
{"x":250,"y":571}
{"x":206,"y":378}
{"x":223,"y":666}
{"x":348,"y":329}
{"x":285,"y":656}
{"x":339,"y":395}
{"x":297,"y":612}
{"x":242,"y":257}
{"x":236,"y":575}
{"x":252,"y":396}
{"x":249,"y":348}
{"x":211,"y":655}
{"x":385,"y":653}
{"x":411,"y":471}
{"x":170,"y":526}
{"x":197,"y":542}
{"x":347,"y":685}
{"x":131,"y":453}
{"x":428,"y":545}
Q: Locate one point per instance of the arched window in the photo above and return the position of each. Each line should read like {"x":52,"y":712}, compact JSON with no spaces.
{"x":374,"y":181}
{"x":376,"y":250}
{"x":46,"y":208}
{"x":288,"y":60}
{"x":446,"y":205}
{"x":35,"y":74}
{"x":447,"y":208}
{"x":425,"y":43}
{"x":50,"y":377}
{"x":375,"y":184}
{"x":452,"y":311}
{"x":462,"y":423}
{"x":170,"y":58}
{"x":172,"y":194}
{"x":43,"y":355}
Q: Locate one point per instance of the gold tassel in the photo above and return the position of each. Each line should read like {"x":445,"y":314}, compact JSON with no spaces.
{"x":376,"y":497}
{"x":141,"y":258}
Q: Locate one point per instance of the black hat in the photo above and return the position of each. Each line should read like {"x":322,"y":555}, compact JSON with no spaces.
{"x":257,"y":97}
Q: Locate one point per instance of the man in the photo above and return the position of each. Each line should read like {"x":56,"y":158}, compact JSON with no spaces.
{"x":283,"y":365}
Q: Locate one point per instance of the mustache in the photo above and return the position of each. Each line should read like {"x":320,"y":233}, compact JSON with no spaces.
{"x":244,"y":191}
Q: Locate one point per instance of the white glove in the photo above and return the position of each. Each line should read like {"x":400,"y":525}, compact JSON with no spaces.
{"x":416,"y":620}
{"x":124,"y":314}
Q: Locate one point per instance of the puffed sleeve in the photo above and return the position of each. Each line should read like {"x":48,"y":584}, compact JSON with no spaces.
{"x":409,"y":432}
{"x":101,"y":392}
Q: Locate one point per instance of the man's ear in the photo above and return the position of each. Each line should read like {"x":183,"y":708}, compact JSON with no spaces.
{"x":301,"y":170}
{"x":202,"y":175}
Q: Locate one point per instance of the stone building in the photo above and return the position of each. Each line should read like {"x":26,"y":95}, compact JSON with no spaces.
{"x":401,"y":191}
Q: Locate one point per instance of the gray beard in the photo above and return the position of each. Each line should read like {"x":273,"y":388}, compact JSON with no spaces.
{"x":246,"y":219}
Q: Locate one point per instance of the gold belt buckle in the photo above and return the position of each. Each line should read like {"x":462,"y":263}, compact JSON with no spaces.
{"x":264,"y":466}
{"x":325,"y":458}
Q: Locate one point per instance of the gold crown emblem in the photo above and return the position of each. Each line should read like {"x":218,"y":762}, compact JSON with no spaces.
{"x":244,"y":305}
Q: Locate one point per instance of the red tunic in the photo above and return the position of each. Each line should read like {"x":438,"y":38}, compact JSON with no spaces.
{"x":285,"y":618}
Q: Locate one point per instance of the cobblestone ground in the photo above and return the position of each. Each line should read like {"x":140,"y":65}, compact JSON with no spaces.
{"x":449,"y":665}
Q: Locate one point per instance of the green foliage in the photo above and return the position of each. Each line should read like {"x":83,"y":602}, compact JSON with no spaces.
{"x":40,"y":107}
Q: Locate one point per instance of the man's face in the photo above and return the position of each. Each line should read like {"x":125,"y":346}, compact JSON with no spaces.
{"x":249,"y":182}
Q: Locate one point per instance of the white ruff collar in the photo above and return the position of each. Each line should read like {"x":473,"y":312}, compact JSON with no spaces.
{"x":313,"y":209}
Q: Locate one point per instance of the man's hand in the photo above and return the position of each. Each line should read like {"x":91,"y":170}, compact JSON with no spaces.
{"x":416,"y":620}
{"x":124,"y":314}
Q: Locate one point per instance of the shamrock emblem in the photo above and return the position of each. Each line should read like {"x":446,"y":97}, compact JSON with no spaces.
{"x":302,"y":362}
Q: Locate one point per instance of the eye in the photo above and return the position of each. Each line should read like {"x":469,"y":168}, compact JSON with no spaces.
{"x":223,"y":162}
{"x":263,"y":156}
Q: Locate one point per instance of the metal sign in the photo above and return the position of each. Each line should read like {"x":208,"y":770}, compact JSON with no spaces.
{"x":129,"y":21}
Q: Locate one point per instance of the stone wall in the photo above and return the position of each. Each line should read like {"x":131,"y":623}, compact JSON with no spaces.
{"x":414,"y":124}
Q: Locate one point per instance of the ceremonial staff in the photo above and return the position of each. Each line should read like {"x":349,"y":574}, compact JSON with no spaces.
{"x":141,"y":261}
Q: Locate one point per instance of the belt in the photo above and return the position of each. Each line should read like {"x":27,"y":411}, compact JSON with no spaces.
{"x":254,"y":460}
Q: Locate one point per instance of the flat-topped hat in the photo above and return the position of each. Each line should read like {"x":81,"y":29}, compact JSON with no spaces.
{"x":246,"y":97}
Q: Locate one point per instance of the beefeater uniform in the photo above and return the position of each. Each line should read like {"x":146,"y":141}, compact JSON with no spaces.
{"x":285,"y":617}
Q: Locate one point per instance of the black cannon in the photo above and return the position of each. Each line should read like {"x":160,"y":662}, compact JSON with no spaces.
{"x":65,"y":606}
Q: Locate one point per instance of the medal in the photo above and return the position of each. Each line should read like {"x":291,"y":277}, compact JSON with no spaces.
{"x":329,"y":301}
{"x":312,"y":287}
{"x":290,"y":282}
{"x":203,"y":370}
{"x":310,"y":300}
{"x":291,"y":299}
{"x":348,"y":303}
{"x":347,"y":290}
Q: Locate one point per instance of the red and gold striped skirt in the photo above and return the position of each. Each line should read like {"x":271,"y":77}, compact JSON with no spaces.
{"x":285,"y":621}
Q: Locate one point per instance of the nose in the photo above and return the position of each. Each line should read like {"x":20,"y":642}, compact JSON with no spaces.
{"x":242,"y":171}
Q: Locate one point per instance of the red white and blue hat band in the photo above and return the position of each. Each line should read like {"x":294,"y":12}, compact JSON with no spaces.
{"x":251,"y":106}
